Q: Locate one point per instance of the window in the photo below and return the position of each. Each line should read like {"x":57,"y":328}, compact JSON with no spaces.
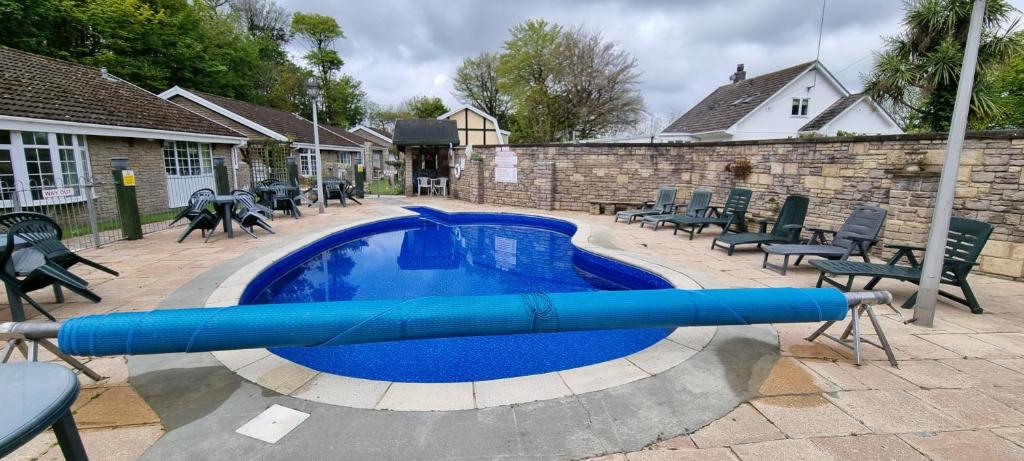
{"x":187,"y":158}
{"x":307,"y":162}
{"x":46,"y":166}
{"x":800,"y":106}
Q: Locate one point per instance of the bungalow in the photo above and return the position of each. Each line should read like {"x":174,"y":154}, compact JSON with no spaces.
{"x":62,"y":123}
{"x":805,"y":98}
{"x":268,"y":130}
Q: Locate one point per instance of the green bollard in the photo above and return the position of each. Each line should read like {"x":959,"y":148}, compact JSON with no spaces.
{"x":127,"y":202}
{"x":360,"y":175}
{"x":293,"y":172}
{"x":220,"y":176}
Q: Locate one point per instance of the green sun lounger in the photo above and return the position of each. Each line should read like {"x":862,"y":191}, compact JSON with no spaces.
{"x":964,"y":243}
{"x":785,"y":229}
{"x":665,"y":203}
{"x":733,"y":213}
{"x":855,"y":238}
{"x":698,"y":207}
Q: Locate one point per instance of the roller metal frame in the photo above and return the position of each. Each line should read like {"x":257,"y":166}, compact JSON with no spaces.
{"x":860,"y":303}
{"x":26,"y":337}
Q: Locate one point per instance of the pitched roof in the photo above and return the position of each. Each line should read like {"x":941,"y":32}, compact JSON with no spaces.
{"x":373,"y":132}
{"x":831,"y":112}
{"x":296,"y":128}
{"x":426,"y":132}
{"x":364,"y":137}
{"x":38,"y":87}
{"x":729,"y":103}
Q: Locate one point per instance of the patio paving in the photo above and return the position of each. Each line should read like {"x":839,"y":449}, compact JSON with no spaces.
{"x":958,"y":388}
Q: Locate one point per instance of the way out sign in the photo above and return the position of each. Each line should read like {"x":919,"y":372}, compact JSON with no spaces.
{"x":58,"y":192}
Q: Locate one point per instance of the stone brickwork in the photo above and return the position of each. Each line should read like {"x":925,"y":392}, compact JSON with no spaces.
{"x":836,"y":173}
{"x":146,"y":159}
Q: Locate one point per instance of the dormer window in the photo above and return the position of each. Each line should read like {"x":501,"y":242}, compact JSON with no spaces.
{"x":800,"y":106}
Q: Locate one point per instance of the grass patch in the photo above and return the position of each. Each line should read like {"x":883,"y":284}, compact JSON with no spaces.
{"x":114,"y":224}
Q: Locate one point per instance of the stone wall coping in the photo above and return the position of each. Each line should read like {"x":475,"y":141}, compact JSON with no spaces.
{"x":991,"y":134}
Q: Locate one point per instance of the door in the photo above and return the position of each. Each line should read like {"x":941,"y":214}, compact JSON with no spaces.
{"x":189,"y":167}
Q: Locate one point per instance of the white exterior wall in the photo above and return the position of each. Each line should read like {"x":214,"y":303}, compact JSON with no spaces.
{"x":773,"y":120}
{"x":863,"y":118}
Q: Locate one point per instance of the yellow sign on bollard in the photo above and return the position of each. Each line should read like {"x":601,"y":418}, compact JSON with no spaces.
{"x":128,"y":176}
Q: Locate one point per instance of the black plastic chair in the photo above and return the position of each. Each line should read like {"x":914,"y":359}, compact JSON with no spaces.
{"x":190,"y":211}
{"x":54,"y":251}
{"x":250,"y":214}
{"x":42,"y":236}
{"x":205,"y":221}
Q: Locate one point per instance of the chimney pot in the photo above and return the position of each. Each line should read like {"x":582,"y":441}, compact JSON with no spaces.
{"x":740,"y":74}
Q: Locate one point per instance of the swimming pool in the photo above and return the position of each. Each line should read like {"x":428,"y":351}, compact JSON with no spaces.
{"x":460,"y":254}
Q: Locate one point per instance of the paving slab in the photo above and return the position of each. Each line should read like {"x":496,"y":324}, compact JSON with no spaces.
{"x":987,"y":373}
{"x":660,"y":357}
{"x":867,"y":447}
{"x":603,"y":375}
{"x":115,"y":444}
{"x":114,"y":371}
{"x":683,"y":442}
{"x":34,"y":449}
{"x":520,"y":390}
{"x":117,"y":406}
{"x":343,"y":390}
{"x":743,"y":425}
{"x":969,"y":346}
{"x":795,"y":450}
{"x":965,"y":446}
{"x":848,"y":376}
{"x":789,"y":376}
{"x":1009,"y":342}
{"x":892,"y":411}
{"x":1013,"y":434}
{"x":1012,"y":397}
{"x":709,"y":454}
{"x":802,"y":416}
{"x":427,"y":397}
{"x":930,"y":374}
{"x":970,"y":407}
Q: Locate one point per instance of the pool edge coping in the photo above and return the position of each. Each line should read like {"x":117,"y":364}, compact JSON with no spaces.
{"x":263,"y":368}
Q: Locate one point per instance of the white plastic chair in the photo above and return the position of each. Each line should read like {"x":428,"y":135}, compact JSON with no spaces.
{"x":440,"y":187}
{"x":422,"y":182}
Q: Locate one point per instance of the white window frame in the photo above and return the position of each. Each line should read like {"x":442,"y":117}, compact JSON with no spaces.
{"x":182,"y":160}
{"x":803,"y":106}
{"x":26,"y":185}
{"x":307,"y":162}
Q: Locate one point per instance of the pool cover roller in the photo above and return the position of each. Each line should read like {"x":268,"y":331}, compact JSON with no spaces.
{"x":351,"y":322}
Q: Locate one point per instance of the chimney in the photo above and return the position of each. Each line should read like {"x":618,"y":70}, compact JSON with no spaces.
{"x":740,"y":74}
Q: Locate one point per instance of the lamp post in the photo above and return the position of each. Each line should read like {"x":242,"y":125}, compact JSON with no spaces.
{"x":313,"y":89}
{"x":935,"y":252}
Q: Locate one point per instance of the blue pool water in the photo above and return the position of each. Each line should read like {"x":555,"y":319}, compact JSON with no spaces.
{"x":439,"y":254}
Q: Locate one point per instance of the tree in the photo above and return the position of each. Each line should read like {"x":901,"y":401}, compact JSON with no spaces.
{"x":425,"y":107}
{"x":345,"y":102}
{"x":319,"y":32}
{"x":1008,"y":84}
{"x":524,"y":74}
{"x":263,"y":18}
{"x":596,"y":85}
{"x":476,"y":84}
{"x":918,"y":71}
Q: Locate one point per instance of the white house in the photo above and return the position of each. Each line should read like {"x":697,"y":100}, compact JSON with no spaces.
{"x":805,"y":98}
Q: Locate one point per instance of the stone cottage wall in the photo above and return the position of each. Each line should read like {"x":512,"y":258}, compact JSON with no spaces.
{"x":836,"y":173}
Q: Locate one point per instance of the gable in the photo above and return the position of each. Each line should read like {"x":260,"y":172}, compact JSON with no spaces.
{"x":730,"y":103}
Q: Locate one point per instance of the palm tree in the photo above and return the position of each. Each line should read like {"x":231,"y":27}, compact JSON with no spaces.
{"x":916,"y":75}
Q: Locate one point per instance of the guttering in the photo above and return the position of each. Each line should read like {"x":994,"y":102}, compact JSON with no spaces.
{"x":93,"y":129}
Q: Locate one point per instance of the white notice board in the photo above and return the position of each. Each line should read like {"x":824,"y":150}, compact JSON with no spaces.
{"x":506,"y":166}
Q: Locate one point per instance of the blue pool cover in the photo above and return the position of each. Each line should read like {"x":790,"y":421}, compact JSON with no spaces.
{"x":461,"y":254}
{"x":516,"y":298}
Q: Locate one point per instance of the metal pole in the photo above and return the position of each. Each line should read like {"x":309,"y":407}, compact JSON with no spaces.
{"x":89,"y":186}
{"x":319,"y":165}
{"x":935,"y":252}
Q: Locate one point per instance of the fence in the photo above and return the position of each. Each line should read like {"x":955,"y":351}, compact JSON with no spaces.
{"x":86,"y":208}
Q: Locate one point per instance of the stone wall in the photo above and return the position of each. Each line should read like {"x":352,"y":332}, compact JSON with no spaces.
{"x":836,"y":173}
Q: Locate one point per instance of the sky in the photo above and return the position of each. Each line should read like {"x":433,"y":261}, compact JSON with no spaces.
{"x":684,"y":48}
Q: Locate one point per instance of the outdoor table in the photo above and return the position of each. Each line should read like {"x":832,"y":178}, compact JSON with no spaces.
{"x":33,"y":397}
{"x":225,"y":205}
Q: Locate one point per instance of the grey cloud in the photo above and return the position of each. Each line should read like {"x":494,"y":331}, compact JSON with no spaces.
{"x":401,"y":48}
